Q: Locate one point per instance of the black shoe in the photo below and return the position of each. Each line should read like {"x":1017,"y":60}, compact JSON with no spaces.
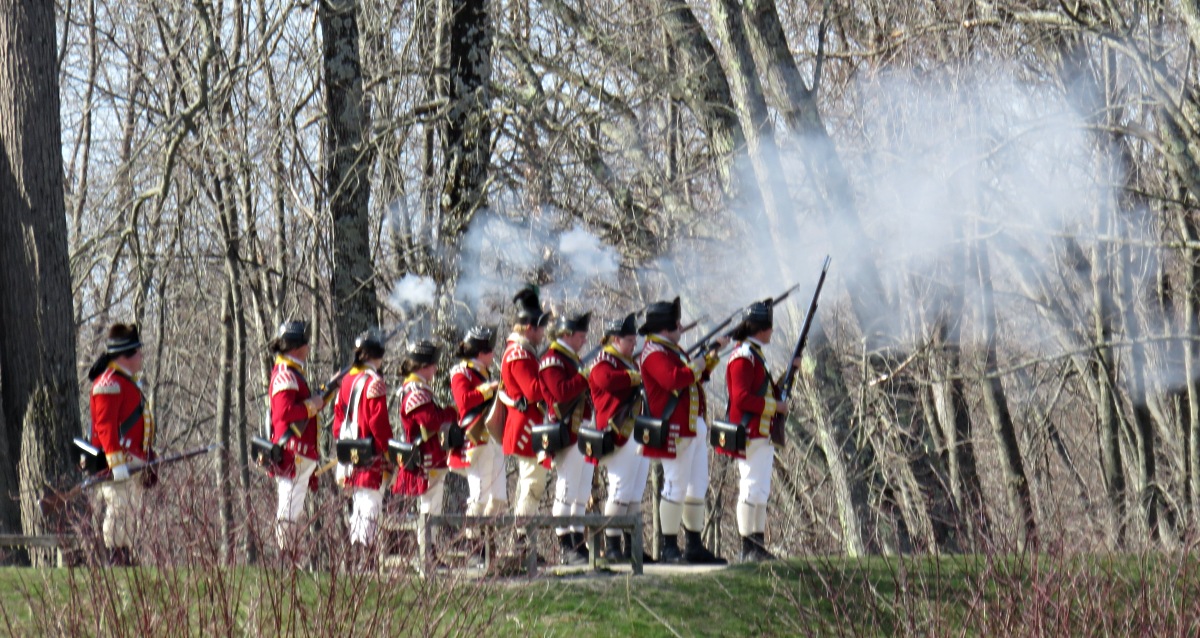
{"x":760,"y":547}
{"x":581,"y":546}
{"x":571,"y":555}
{"x":612,"y":549}
{"x":697,"y":554}
{"x":670,"y":553}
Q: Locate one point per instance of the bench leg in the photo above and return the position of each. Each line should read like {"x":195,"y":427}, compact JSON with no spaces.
{"x":531,"y":551}
{"x":594,"y":547}
{"x":635,"y":552}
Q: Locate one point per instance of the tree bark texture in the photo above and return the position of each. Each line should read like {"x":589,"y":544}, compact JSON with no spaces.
{"x":348,"y":159}
{"x":37,"y":351}
{"x":468,"y":132}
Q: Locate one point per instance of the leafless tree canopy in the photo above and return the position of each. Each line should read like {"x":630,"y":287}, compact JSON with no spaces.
{"x":1006,"y":351}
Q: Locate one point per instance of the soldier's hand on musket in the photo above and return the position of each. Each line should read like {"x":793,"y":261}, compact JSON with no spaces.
{"x":782,"y":408}
{"x":314,"y":404}
{"x":712,"y":359}
{"x":635,"y":377}
{"x":722,"y":341}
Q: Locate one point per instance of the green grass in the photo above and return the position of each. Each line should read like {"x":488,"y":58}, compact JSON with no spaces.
{"x":970,"y":595}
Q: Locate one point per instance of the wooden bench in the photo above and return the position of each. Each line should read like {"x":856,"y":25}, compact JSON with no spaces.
{"x":40,"y":541}
{"x":594,"y":523}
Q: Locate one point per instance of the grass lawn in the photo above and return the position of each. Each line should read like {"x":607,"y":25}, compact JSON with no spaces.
{"x":971,"y":595}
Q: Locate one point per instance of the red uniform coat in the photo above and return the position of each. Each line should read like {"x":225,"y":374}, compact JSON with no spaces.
{"x":665,"y":373}
{"x":421,"y":419}
{"x":372,"y":421}
{"x":563,"y":384}
{"x":520,"y":379}
{"x":746,"y":377}
{"x":289,"y":390}
{"x":612,"y":385}
{"x":115,"y":397}
{"x":466,"y":379}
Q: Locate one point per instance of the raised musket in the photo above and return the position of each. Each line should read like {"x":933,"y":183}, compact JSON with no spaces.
{"x":778,"y":422}
{"x":709,"y":340}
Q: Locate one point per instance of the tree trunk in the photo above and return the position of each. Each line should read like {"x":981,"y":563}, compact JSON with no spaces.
{"x":1016,"y":484}
{"x":468,"y":137}
{"x":348,"y":159}
{"x":37,"y":354}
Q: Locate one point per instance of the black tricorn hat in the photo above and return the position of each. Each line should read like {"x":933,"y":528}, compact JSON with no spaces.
{"x":761,"y":313}
{"x":577,"y":323}
{"x":294,"y":330}
{"x":122,"y":338}
{"x":661,"y":315}
{"x":626,"y":327}
{"x":480,"y":338}
{"x":529,"y":307}
{"x":422,"y":351}
{"x":369,"y":338}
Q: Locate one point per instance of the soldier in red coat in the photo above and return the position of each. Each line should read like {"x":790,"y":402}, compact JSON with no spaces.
{"x":616,"y":387}
{"x":673,"y":383}
{"x":566,"y":391}
{"x":481,"y":458}
{"x":361,"y":412}
{"x":123,"y":429}
{"x":753,"y":401}
{"x":421,"y":419}
{"x":294,"y":411}
{"x":522,"y":393}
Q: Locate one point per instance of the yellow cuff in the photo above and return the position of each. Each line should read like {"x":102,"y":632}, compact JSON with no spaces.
{"x":635,"y":377}
{"x":487,"y":390}
{"x":711,"y":361}
{"x":117,"y":458}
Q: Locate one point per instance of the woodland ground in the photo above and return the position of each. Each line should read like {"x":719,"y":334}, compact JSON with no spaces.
{"x":956,"y":595}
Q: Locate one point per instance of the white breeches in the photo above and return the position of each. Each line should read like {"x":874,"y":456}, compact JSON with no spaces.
{"x":432,"y":501}
{"x":685,"y":477}
{"x":572,"y":486}
{"x":531,"y":485}
{"x":366,"y":504}
{"x":290,"y":494}
{"x":123,"y":501}
{"x":485,"y":477}
{"x":628,"y":471}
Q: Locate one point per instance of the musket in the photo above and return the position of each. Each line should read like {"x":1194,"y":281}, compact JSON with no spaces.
{"x":705,"y":342}
{"x":778,"y":432}
{"x":105,"y":476}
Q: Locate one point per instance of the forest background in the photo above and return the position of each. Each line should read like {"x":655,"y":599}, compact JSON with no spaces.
{"x":1006,"y":349}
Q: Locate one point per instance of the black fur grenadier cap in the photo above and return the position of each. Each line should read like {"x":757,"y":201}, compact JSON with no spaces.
{"x":661,"y":315}
{"x":529,"y":307}
{"x":423,"y":352}
{"x":626,"y":327}
{"x":122,"y":338}
{"x":577,"y":323}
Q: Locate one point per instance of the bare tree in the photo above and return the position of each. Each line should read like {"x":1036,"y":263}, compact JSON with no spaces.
{"x":37,"y":353}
